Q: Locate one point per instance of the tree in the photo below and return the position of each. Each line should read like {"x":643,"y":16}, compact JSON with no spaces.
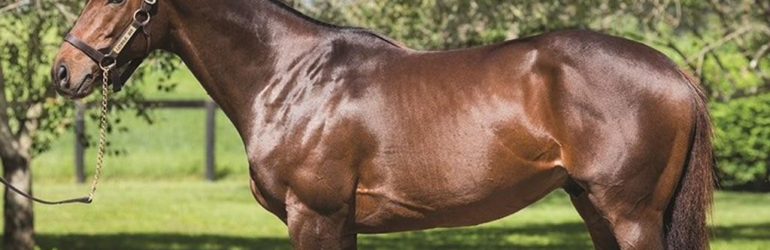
{"x":27,"y":107}
{"x":31,"y":115}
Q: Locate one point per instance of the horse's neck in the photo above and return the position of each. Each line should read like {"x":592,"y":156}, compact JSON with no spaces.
{"x":236,"y":49}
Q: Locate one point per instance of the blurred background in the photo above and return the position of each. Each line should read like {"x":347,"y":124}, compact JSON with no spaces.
{"x":157,"y":194}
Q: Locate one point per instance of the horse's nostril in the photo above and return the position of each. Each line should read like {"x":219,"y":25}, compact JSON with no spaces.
{"x":63,"y":76}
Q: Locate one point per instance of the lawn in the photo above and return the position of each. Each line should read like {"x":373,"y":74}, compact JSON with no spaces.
{"x":223,"y":215}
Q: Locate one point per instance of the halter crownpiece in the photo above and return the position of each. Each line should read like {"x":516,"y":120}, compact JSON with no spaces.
{"x":109,"y":60}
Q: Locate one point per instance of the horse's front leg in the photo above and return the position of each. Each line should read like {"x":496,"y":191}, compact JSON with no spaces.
{"x":320,"y":226}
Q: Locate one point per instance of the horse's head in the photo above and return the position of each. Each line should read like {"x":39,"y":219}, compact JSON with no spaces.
{"x":108,"y":34}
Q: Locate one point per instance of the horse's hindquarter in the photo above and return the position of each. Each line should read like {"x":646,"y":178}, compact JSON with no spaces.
{"x":460,"y":140}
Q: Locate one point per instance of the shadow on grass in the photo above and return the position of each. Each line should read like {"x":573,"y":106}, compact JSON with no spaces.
{"x":752,"y":232}
{"x":157,"y":242}
{"x":538,"y":236}
{"x":546,"y":236}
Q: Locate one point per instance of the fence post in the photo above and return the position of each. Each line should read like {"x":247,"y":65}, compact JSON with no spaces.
{"x":80,"y":142}
{"x":211,"y":109}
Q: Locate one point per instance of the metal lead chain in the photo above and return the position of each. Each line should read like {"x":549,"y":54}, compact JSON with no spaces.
{"x":102,"y":130}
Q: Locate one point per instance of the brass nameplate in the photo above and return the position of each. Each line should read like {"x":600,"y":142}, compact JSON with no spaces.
{"x":124,"y":40}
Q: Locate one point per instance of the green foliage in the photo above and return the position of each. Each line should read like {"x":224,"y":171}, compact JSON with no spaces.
{"x":25,"y":58}
{"x":743,"y":141}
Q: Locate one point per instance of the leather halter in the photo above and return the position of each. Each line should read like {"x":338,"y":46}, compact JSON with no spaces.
{"x":109,"y":60}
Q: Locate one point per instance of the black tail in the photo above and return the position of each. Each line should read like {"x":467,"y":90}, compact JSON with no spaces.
{"x":686,"y":220}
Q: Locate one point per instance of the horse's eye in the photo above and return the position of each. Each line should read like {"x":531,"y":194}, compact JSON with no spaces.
{"x":116,"y":1}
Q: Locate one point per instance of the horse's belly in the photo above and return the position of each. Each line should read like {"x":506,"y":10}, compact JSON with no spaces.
{"x":383,"y":210}
{"x":454,"y":167}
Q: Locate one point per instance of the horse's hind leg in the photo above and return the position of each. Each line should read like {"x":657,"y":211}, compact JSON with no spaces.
{"x":634,"y":221}
{"x":635,"y":225}
{"x":630,"y":186}
{"x":601,"y":235}
{"x":632,"y":194}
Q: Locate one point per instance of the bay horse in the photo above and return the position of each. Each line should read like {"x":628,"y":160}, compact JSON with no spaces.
{"x":349,"y":132}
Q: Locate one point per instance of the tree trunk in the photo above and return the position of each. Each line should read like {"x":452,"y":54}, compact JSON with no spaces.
{"x":19,"y":220}
{"x":19,"y":226}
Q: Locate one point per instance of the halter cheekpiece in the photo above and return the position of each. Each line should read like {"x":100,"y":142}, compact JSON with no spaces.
{"x":109,"y":59}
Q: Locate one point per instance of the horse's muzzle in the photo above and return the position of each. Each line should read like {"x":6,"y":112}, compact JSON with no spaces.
{"x":70,"y":83}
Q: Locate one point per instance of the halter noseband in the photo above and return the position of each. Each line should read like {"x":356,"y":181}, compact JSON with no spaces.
{"x":109,"y":60}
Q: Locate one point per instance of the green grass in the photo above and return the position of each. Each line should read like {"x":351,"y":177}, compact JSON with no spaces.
{"x":223,"y":215}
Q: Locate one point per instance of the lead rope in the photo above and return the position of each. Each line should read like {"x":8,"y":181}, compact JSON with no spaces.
{"x":99,"y":156}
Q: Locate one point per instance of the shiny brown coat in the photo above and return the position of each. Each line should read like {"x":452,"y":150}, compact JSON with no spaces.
{"x":350,"y":132}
